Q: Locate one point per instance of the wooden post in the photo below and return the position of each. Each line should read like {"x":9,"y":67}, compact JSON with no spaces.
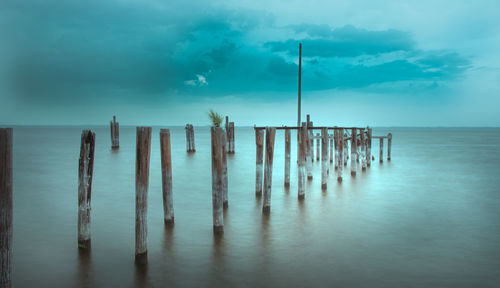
{"x":193,"y":149}
{"x":225,"y":202}
{"x":300,"y":72}
{"x":259,"y":151}
{"x":143,"y":153}
{"x":115,"y":133}
{"x":302,"y":148}
{"x":381,"y":150}
{"x":362,"y":149}
{"x":354,"y":150}
{"x":85,"y":173}
{"x":6,"y":207}
{"x":287,"y":158}
{"x":268,"y":169}
{"x":190,"y":138}
{"x":231,"y":139}
{"x":340,"y":152}
{"x":389,"y":142}
{"x":166,"y":176}
{"x":317,"y":147}
{"x":218,"y":143}
{"x":369,"y":146}
{"x":228,"y":136}
{"x":324,"y":157}
{"x":309,"y":152}
{"x":188,"y":145}
{"x":332,"y":145}
{"x":346,"y":151}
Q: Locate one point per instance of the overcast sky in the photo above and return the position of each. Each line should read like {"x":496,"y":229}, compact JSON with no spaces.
{"x":377,"y":63}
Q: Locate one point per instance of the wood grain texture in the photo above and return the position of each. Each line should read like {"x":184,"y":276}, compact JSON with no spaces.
{"x":85,"y":175}
{"x":218,"y":138}
{"x":302,"y":152}
{"x":268,"y":169}
{"x":6,"y":207}
{"x":166,"y":177}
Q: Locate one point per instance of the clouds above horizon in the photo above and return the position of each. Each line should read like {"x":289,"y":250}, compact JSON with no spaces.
{"x":69,"y":48}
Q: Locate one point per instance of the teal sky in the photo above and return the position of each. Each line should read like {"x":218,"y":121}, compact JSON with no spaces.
{"x":377,"y":63}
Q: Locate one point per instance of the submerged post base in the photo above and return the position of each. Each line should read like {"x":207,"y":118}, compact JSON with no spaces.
{"x":169,"y":222}
{"x":84,"y":244}
{"x":339,"y":179}
{"x":353,"y":173}
{"x":266,"y":209}
{"x":141,"y":258}
{"x":218,"y":230}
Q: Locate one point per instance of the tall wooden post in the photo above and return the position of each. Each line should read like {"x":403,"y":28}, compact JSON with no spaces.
{"x":85,"y":173}
{"x":6,"y":207}
{"x":317,"y":147}
{"x":381,"y":150}
{"x":369,"y":146}
{"x":268,"y":169}
{"x":224,"y":175}
{"x":302,"y":148}
{"x":324,"y":157}
{"x":389,"y":142}
{"x":310,"y":152}
{"x":166,"y":176}
{"x":218,"y":143}
{"x":143,"y":153}
{"x":354,"y":150}
{"x":300,"y":74}
{"x":340,"y":152}
{"x":362,"y":149}
{"x":259,"y":151}
{"x":287,"y":157}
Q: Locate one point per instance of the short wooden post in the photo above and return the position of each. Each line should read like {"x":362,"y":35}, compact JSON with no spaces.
{"x":332,"y":145}
{"x":190,"y":138}
{"x":354,"y":150}
{"x":6,"y":207}
{"x":389,"y":142}
{"x":309,"y":152}
{"x":225,"y":201}
{"x":231,"y":140}
{"x":381,"y":150}
{"x":287,"y":157}
{"x":259,"y":151}
{"x":166,"y":176}
{"x":368,"y":146}
{"x":268,"y":169}
{"x":324,"y":157}
{"x":228,"y":136}
{"x":340,"y":152}
{"x":218,"y":143}
{"x":362,"y":149}
{"x":115,"y":133}
{"x":85,"y":173}
{"x":302,"y":148}
{"x":318,"y":146}
{"x":143,"y":153}
{"x":193,"y":149}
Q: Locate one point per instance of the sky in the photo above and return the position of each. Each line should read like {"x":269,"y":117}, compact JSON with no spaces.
{"x":377,"y":63}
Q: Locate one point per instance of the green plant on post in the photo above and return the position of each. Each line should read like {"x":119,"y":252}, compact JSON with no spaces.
{"x":215,"y":117}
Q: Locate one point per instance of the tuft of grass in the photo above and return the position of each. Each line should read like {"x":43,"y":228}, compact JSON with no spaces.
{"x":215,"y":117}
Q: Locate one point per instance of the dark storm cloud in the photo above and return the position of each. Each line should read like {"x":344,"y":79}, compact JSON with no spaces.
{"x":60,"y":49}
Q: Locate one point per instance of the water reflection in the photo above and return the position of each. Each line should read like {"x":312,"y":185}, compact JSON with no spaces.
{"x":141,"y":275}
{"x":84,"y":268}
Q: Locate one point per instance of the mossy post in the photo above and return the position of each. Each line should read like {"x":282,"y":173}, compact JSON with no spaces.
{"x":218,"y":143}
{"x":166,"y":177}
{"x":6,"y":207}
{"x":259,"y":151}
{"x":85,"y":173}
{"x":268,"y":169}
{"x":143,"y":153}
{"x":287,"y":157}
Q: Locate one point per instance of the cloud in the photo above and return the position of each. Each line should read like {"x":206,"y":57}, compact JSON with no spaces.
{"x":199,"y":81}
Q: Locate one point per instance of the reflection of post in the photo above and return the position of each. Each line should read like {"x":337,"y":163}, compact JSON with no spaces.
{"x":85,"y":173}
{"x":143,"y":153}
{"x":259,"y":151}
{"x":324,"y":157}
{"x":6,"y":207}
{"x":302,"y":148}
{"x":287,"y":158}
{"x":268,"y":169}
{"x":354,"y":150}
{"x":389,"y":142}
{"x":218,"y":142}
{"x":166,"y":176}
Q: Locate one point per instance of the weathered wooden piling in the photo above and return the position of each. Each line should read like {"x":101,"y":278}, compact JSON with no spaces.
{"x":346,"y":150}
{"x":166,"y":176}
{"x":218,"y":143}
{"x":287,"y":158}
{"x":381,"y":150}
{"x":324,"y":157}
{"x":268,"y":169}
{"x":335,"y":148}
{"x":362,"y":149}
{"x":368,"y":146}
{"x":354,"y":150}
{"x":318,"y":141}
{"x":225,"y":201}
{"x":231,"y":138}
{"x":190,"y":138}
{"x":6,"y":207}
{"x":115,"y":133}
{"x":340,"y":153}
{"x":85,"y":173}
{"x":259,"y":151}
{"x":143,"y":153}
{"x":332,"y":145}
{"x":389,"y":142}
{"x":302,"y":152}
{"x":309,"y":152}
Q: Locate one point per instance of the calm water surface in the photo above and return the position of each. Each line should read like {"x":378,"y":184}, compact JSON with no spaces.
{"x":428,"y":218}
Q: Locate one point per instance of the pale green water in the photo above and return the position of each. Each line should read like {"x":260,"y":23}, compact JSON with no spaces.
{"x":429,"y":218}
